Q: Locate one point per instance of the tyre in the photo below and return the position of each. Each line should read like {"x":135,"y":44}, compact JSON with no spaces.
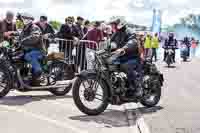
{"x":90,"y":95}
{"x":5,"y":81}
{"x":184,"y":59}
{"x":168,"y":61}
{"x":152,"y":96}
{"x":58,"y":71}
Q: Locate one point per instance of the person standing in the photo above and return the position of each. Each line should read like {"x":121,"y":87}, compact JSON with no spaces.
{"x":86,"y":27}
{"x":194,"y":47}
{"x":80,"y":50}
{"x":147,"y":46}
{"x":95,"y":35}
{"x":7,"y":27}
{"x":45,"y":28}
{"x":67,"y":31}
{"x":155,"y":46}
{"x":79,"y":28}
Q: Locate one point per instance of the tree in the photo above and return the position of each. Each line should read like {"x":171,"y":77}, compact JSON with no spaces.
{"x":55,"y":24}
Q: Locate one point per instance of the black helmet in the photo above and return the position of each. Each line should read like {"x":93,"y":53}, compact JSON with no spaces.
{"x":119,"y":22}
{"x":45,"y":18}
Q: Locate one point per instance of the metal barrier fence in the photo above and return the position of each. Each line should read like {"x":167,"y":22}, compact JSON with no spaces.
{"x":77,"y":52}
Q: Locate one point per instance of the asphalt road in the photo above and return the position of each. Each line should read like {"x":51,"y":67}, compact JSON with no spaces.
{"x":177,"y":112}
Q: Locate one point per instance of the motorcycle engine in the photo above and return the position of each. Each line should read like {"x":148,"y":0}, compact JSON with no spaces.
{"x":119,"y":82}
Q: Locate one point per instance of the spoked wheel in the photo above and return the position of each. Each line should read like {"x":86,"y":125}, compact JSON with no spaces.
{"x":58,"y":73}
{"x":151,"y":97}
{"x":90,"y":96}
{"x":5,"y":82}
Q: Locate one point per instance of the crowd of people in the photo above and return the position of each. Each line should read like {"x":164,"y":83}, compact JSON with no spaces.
{"x":135,"y":47}
{"x":82,"y":29}
{"x":152,"y":42}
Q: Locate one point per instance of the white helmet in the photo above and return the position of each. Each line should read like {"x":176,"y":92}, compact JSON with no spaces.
{"x":27,"y":18}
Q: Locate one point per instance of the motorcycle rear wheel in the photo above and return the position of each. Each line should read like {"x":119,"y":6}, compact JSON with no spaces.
{"x":60,"y":74}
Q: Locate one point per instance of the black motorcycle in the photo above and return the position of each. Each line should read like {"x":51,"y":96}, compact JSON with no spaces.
{"x":106,"y":84}
{"x":16,"y":73}
{"x":169,"y":57}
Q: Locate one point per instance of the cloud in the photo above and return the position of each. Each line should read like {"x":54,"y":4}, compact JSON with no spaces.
{"x":137,"y":11}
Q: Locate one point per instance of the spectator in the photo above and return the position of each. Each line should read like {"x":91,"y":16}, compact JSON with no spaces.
{"x":67,"y":31}
{"x":80,"y":51}
{"x":95,"y":35}
{"x":45,"y":28}
{"x":155,"y":46}
{"x":194,"y":47}
{"x":147,"y":45}
{"x":79,"y":27}
{"x":7,"y":27}
{"x":86,"y":27}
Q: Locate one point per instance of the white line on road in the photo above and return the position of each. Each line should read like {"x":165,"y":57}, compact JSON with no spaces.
{"x":43,"y":118}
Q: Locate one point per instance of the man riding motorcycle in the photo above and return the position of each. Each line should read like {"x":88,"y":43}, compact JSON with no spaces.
{"x":170,"y":43}
{"x":124,"y":40}
{"x":31,"y":41}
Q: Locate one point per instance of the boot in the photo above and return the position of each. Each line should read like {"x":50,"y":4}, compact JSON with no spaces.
{"x":36,"y":79}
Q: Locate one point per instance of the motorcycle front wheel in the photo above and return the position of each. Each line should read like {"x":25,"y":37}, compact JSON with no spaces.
{"x":90,"y":95}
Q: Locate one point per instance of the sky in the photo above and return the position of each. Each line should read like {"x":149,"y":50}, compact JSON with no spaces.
{"x":135,"y":11}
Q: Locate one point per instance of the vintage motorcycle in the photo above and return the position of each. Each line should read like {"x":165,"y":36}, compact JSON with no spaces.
{"x":184,"y":52}
{"x":16,"y":73}
{"x":169,"y":57}
{"x":95,"y":89}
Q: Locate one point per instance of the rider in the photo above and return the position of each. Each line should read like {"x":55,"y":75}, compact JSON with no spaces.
{"x":187,"y":43}
{"x":31,"y":41}
{"x":170,"y":43}
{"x":124,"y":40}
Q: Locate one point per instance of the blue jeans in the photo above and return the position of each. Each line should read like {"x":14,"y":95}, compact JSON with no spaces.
{"x":133,"y":69}
{"x":33,"y":57}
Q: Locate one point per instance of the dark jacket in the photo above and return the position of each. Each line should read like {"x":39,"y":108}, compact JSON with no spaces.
{"x":31,"y":37}
{"x":67,"y":32}
{"x":48,"y":29}
{"x":85,"y":30}
{"x":125,"y":38}
{"x":79,"y":31}
{"x":5,"y":27}
{"x":170,"y":43}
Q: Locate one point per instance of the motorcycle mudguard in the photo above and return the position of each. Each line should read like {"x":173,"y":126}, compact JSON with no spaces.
{"x":161,"y":78}
{"x":84,"y":74}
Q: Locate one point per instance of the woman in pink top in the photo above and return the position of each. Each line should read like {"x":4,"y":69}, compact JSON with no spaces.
{"x":194,"y":47}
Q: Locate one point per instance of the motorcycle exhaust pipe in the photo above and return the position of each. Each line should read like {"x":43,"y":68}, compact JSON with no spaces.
{"x":38,"y":88}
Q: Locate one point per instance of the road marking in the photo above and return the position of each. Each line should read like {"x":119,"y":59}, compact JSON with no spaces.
{"x":43,"y":118}
{"x":136,"y":121}
{"x":52,"y":102}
